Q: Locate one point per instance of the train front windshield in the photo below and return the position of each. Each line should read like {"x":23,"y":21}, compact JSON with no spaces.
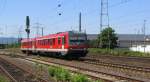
{"x":78,"y":39}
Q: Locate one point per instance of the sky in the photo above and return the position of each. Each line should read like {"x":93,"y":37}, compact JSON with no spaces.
{"x":125,"y":16}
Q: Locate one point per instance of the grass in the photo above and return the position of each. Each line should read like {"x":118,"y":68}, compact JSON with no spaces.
{"x":59,"y":73}
{"x":118,"y":52}
{"x":3,"y":79}
{"x":98,"y":81}
{"x":63,"y":75}
{"x":79,"y":78}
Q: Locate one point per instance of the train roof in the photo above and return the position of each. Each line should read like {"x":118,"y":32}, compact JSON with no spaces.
{"x":52,"y":35}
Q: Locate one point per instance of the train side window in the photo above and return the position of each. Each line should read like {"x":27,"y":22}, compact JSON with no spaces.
{"x":40,"y":42}
{"x":53,"y":41}
{"x":44,"y":42}
{"x":63,"y":40}
{"x":49,"y":41}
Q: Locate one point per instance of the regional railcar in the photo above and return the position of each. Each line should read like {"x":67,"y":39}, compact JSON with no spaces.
{"x":70,"y":43}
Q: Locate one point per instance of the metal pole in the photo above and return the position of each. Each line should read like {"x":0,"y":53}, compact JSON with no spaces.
{"x":104,"y":15}
{"x":42,"y":31}
{"x":144,"y":34}
{"x":80,"y":22}
{"x":101,"y":24}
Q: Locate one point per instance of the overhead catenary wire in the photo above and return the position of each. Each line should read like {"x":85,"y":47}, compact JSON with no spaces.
{"x":114,"y":5}
{"x":2,"y":6}
{"x":120,"y":3}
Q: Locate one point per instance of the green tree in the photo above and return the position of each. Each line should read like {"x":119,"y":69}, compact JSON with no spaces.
{"x":107,"y":38}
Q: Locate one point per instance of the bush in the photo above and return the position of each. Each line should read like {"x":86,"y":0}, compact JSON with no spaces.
{"x":3,"y":79}
{"x":64,"y":75}
{"x":51,"y":71}
{"x":98,"y":81}
{"x":59,"y":73}
{"x":79,"y":78}
{"x":118,"y":52}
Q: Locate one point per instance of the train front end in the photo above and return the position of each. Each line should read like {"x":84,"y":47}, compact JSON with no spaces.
{"x":78,"y":46}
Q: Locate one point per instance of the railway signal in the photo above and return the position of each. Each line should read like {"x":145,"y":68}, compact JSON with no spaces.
{"x":80,"y":21}
{"x":27,"y":25}
{"x":28,"y":30}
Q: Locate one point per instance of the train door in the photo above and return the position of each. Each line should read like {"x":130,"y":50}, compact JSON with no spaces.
{"x":63,"y":42}
{"x":50,"y":42}
{"x":59,"y":43}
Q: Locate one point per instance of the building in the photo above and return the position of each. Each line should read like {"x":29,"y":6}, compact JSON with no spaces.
{"x":4,"y":41}
{"x":141,"y":48}
{"x":127,"y":40}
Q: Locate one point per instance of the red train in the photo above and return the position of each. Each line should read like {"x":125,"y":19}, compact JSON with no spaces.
{"x":70,"y":43}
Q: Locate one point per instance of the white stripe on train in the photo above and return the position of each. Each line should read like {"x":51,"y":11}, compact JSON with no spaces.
{"x":50,"y":50}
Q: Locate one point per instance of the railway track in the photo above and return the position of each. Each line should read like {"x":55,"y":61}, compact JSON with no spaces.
{"x":17,"y":74}
{"x":11,"y":79}
{"x":121,"y":66}
{"x":108,"y":77}
{"x":98,"y":74}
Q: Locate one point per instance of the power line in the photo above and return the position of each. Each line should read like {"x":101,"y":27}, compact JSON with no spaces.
{"x":113,"y":5}
{"x":3,"y":6}
{"x":80,"y":21}
{"x":144,"y":33}
{"x":120,"y":3}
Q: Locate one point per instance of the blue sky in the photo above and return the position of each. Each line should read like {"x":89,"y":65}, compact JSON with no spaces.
{"x":124,"y":18}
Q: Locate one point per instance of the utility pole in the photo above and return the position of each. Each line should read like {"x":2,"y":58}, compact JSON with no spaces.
{"x":20,"y":34}
{"x":144,"y":33}
{"x":80,"y":22}
{"x":104,"y":19}
{"x":42,"y":31}
{"x":39,"y":27}
{"x":6,"y":35}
